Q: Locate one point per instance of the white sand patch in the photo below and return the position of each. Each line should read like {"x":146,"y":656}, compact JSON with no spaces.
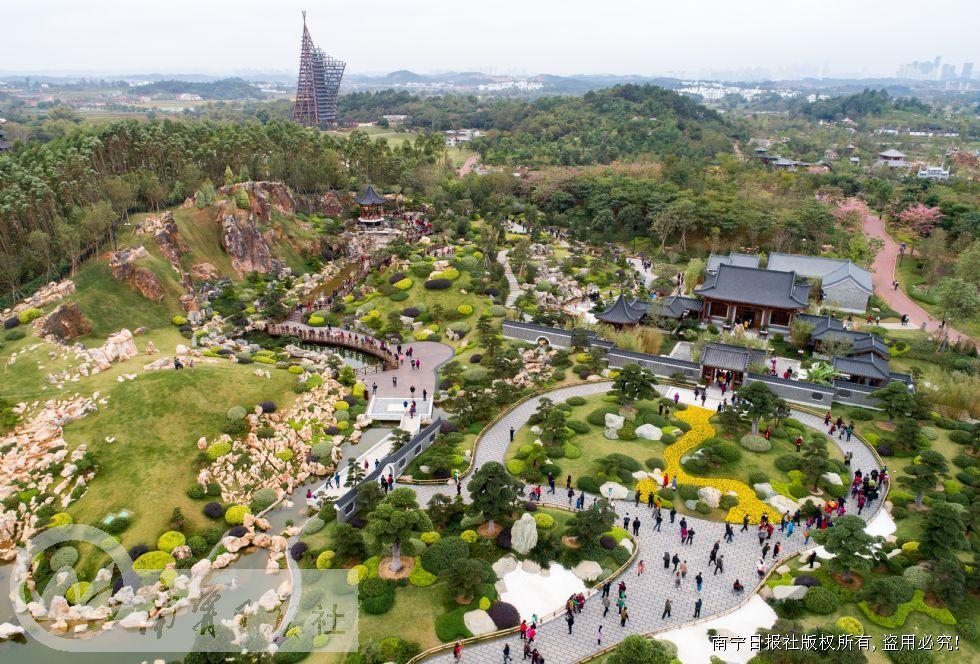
{"x":693,"y":646}
{"x":533,"y":593}
{"x":882,"y":524}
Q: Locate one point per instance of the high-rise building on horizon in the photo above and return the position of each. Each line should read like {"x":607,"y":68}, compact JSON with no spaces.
{"x":318,"y":85}
{"x":967,"y":72}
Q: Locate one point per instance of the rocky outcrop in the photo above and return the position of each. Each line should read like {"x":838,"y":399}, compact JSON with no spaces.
{"x":524,"y":534}
{"x":53,"y":292}
{"x":264,"y":197}
{"x":328,"y":204}
{"x":204,"y":272}
{"x":164,"y":230}
{"x":247,"y":248}
{"x":66,"y":322}
{"x":124,"y":268}
{"x":119,"y":347}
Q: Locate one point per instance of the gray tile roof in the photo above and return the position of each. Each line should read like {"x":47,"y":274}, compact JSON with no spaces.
{"x":733,"y":258}
{"x":675,"y":306}
{"x":767,"y":288}
{"x":871,"y":343}
{"x":370,"y":197}
{"x":829,"y":270}
{"x":864,"y":366}
{"x":726,"y":356}
{"x":623,"y":312}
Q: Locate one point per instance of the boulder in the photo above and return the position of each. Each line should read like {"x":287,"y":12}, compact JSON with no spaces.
{"x":691,"y":505}
{"x":7,"y":631}
{"x":789,"y":592}
{"x":135,"y":620}
{"x":524,"y":534}
{"x":587,"y":570}
{"x":832,"y":478}
{"x":781,"y":503}
{"x":649,"y":432}
{"x":204,"y":272}
{"x":247,"y":248}
{"x":611,"y":434}
{"x":531,"y":567}
{"x":806,"y":580}
{"x":710,"y":495}
{"x":66,"y":322}
{"x":479,"y":622}
{"x":504,"y":565}
{"x":614,"y":421}
{"x":765,"y":489}
{"x":614,"y":490}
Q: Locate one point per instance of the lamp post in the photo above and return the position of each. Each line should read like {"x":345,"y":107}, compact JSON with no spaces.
{"x":901,"y":253}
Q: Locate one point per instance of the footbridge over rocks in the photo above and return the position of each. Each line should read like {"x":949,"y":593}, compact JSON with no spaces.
{"x":338,"y":338}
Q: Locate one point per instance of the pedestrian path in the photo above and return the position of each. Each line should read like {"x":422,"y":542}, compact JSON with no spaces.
{"x":648,"y":275}
{"x":646,"y":594}
{"x":515,"y":288}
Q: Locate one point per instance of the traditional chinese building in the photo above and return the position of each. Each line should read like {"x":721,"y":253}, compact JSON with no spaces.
{"x":623,"y":312}
{"x":752,"y":297}
{"x":372,"y":207}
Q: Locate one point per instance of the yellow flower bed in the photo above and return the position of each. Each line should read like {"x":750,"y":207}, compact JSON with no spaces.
{"x":646,"y":487}
{"x":701,"y":430}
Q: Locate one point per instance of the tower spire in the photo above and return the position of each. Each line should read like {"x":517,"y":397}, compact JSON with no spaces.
{"x":318,"y":84}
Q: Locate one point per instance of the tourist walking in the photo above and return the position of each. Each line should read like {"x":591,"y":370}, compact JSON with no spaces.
{"x":697,"y":608}
{"x":458,"y":651}
{"x":666,"y":613}
{"x":598,"y":635}
{"x":506,"y":653}
{"x":624,"y":615}
{"x":636,"y":526}
{"x":699,"y":580}
{"x":658,"y":521}
{"x":666,"y":560}
{"x":605,"y":606}
{"x":512,"y":434}
{"x":676,"y":560}
{"x":720,"y":565}
{"x":641,"y":568}
{"x":570,"y":619}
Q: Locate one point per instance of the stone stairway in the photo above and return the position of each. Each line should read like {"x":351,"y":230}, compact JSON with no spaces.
{"x":515,"y":288}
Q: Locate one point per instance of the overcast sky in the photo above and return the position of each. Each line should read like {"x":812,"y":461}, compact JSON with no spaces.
{"x":832,"y":37}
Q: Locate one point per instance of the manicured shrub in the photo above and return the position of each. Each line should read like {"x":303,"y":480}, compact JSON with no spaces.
{"x":11,"y":323}
{"x":440,"y":555}
{"x":788,"y":462}
{"x":850,"y":625}
{"x":469,"y":536}
{"x":235,"y":514}
{"x":410,"y":312}
{"x":430,"y":537}
{"x":497,"y":310}
{"x":578,"y":426}
{"x":218,"y":449}
{"x":544,"y":521}
{"x":153,"y":561}
{"x":65,"y":556}
{"x":298,"y":550}
{"x":325,"y":560}
{"x":262,"y":499}
{"x":438,"y":284}
{"x":214,"y":510}
{"x":504,"y":615}
{"x":598,"y":416}
{"x":587,"y":484}
{"x":15,"y":335}
{"x":419,"y":576}
{"x":284,"y":455}
{"x":960,"y":437}
{"x":702,"y":507}
{"x":728,"y":501}
{"x":515,"y":466}
{"x":459,"y":328}
{"x":236,"y":413}
{"x":403,"y":284}
{"x":464,"y":309}
{"x":755,"y":443}
{"x":79,"y":593}
{"x":571,"y":451}
{"x":821,"y":601}
{"x":28,"y":315}
{"x":170,"y":540}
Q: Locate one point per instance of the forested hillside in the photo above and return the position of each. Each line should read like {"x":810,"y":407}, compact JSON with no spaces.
{"x":58,"y":200}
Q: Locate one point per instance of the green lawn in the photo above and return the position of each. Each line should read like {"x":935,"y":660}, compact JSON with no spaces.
{"x":157,"y":420}
{"x":909,"y":275}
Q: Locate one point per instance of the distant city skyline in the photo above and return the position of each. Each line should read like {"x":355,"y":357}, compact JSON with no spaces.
{"x":704,"y":39}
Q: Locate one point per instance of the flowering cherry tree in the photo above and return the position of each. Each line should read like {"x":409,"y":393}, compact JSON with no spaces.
{"x":920,"y":218}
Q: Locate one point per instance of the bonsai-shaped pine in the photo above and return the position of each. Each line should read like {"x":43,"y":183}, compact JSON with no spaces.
{"x":396,"y":519}
{"x":399,"y":439}
{"x":355,"y":474}
{"x":611,"y":466}
{"x":851,"y":545}
{"x":444,"y":511}
{"x":489,"y":337}
{"x":815,"y":460}
{"x":886,"y":593}
{"x":554,"y":429}
{"x":597,"y":360}
{"x":895,"y":398}
{"x":580,"y":338}
{"x":588,"y":525}
{"x":633,"y":384}
{"x":907,"y":434}
{"x":465,"y":577}
{"x":756,"y":401}
{"x":369,"y":494}
{"x":924,"y":472}
{"x":948,"y":582}
{"x":943,"y":532}
{"x":493,"y":492}
{"x":637,"y":649}
{"x":348,"y":543}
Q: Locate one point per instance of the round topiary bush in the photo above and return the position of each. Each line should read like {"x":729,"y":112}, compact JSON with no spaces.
{"x":214,"y":510}
{"x":544,"y":521}
{"x":464,"y":309}
{"x":235,"y":514}
{"x":438,"y":284}
{"x":755,"y":443}
{"x":29,"y":315}
{"x":702,"y":507}
{"x":788,"y":462}
{"x":918,"y":576}
{"x":469,"y":536}
{"x":821,"y":601}
{"x":170,"y":540}
{"x":430,"y":537}
{"x":497,"y":310}
{"x":587,"y":484}
{"x":298,"y":550}
{"x":504,"y":615}
{"x":515,"y":466}
{"x":236,"y":413}
{"x":284,"y":455}
{"x":419,"y":577}
{"x":728,"y":501}
{"x":475,"y":375}
{"x":263,"y":499}
{"x":219,"y":449}
{"x":598,"y":416}
{"x":410,"y":312}
{"x":65,"y":556}
{"x":459,"y":328}
{"x":153,"y":561}
{"x":11,"y":323}
{"x":850,"y":625}
{"x":439,"y":556}
{"x":325,"y":560}
{"x":79,"y":593}
{"x":577,"y":426}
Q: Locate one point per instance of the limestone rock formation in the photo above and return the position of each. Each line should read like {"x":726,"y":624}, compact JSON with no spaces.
{"x":66,"y":322}
{"x":124,"y":268}
{"x":204,"y":272}
{"x":613,"y":490}
{"x":524,"y":534}
{"x":649,"y":432}
{"x":247,"y":248}
{"x":710,"y":495}
{"x":119,"y":347}
{"x":164,"y":230}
